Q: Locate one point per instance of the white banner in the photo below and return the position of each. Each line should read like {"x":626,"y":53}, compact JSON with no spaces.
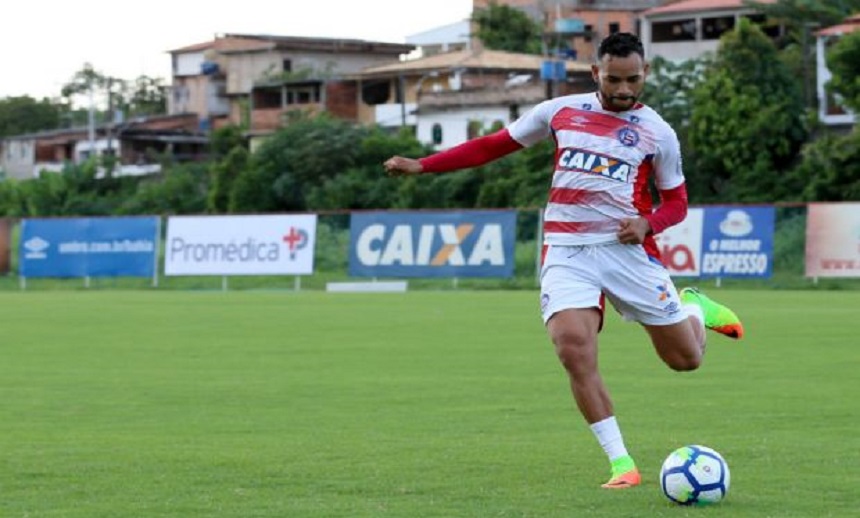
{"x":240,"y":245}
{"x":681,"y":246}
{"x":833,"y":240}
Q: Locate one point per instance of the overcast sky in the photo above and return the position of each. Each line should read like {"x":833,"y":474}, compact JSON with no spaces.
{"x":44,"y":42}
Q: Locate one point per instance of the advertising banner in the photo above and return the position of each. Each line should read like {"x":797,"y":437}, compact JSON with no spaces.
{"x":89,"y":247}
{"x":5,"y":244}
{"x":240,"y":245}
{"x":720,"y":242}
{"x":833,"y":240}
{"x":421,"y":244}
{"x":681,"y":245}
{"x":738,"y":242}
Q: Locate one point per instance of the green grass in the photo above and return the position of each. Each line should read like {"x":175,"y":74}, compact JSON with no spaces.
{"x":424,"y":404}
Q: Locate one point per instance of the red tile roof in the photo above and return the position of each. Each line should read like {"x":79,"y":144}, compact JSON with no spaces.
{"x":260,"y":42}
{"x":851,"y":24}
{"x":471,"y":59}
{"x":699,"y":5}
{"x":228,"y":43}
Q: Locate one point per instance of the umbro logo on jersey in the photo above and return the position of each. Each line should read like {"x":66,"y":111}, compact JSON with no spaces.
{"x":585,"y":162}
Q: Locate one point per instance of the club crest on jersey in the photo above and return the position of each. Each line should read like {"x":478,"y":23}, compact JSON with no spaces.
{"x":628,"y":136}
{"x":572,"y":159}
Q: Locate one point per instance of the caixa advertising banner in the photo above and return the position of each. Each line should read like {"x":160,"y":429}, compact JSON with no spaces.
{"x":427,"y":244}
{"x":720,"y":242}
{"x":240,"y":245}
{"x":89,"y":247}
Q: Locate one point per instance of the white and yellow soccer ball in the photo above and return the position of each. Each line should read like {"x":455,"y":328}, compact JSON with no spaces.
{"x":695,"y":475}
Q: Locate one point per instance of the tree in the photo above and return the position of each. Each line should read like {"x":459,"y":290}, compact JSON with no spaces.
{"x":796,"y":14}
{"x":747,"y":122}
{"x":88,"y":81}
{"x":179,"y":189}
{"x":296,"y":160}
{"x":843,"y":61}
{"x":669,"y":92}
{"x":143,"y":96}
{"x":224,"y":174}
{"x":830,"y":170}
{"x":19,"y":115}
{"x":800,"y":18}
{"x":502,"y":27}
{"x":364,"y":185}
{"x":229,"y":158}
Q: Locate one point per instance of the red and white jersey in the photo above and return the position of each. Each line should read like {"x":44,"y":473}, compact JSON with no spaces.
{"x":603,"y":161}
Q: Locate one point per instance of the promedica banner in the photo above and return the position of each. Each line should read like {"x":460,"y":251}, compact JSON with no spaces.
{"x":726,"y":241}
{"x":240,"y":245}
{"x":431,"y":244}
{"x":89,"y":247}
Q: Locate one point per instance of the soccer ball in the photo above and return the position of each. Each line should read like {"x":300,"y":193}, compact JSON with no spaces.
{"x":694,"y":475}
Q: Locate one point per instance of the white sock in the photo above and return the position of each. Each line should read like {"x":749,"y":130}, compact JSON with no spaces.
{"x":609,"y":436}
{"x":694,"y":310}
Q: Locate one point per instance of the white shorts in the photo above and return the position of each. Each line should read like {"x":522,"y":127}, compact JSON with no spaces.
{"x":638,"y":286}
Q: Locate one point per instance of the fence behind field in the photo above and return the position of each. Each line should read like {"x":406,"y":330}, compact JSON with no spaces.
{"x":833,"y":226}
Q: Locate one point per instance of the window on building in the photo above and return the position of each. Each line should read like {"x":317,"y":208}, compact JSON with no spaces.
{"x":180,"y":94}
{"x":304,"y":94}
{"x":268,"y":98}
{"x":436,"y":133}
{"x":769,"y":27}
{"x":375,"y":92}
{"x":713,"y":28}
{"x":473,"y":129}
{"x":287,"y":65}
{"x":614,"y":27}
{"x":675,"y":30}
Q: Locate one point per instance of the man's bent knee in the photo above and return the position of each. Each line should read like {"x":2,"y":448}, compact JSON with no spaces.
{"x":677,"y":346}
{"x":683,"y":363}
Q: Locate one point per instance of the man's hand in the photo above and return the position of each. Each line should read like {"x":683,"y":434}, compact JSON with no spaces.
{"x":400,"y":166}
{"x":632,"y":231}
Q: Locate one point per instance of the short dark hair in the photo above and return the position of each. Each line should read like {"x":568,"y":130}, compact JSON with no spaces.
{"x":620,"y":44}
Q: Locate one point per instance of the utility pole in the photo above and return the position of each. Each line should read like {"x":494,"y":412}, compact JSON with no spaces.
{"x":401,"y":88}
{"x":91,"y":123}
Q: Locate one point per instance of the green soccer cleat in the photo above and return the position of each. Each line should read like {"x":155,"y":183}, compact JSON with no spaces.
{"x":718,"y":318}
{"x":625,"y":480}
{"x":624,"y":474}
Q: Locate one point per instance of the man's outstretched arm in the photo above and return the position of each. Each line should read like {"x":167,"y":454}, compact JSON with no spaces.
{"x":472,"y":153}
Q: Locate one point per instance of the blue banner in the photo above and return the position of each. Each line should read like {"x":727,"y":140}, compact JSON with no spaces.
{"x":737,"y":242}
{"x":419,"y":244}
{"x":89,"y":247}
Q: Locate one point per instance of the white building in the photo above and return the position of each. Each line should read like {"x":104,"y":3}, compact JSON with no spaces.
{"x":830,"y":111}
{"x":691,"y":28}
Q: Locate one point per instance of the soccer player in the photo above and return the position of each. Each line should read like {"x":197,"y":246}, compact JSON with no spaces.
{"x":599,"y":226}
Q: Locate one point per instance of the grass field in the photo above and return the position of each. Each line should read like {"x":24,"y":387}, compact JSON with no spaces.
{"x":425,"y":404}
